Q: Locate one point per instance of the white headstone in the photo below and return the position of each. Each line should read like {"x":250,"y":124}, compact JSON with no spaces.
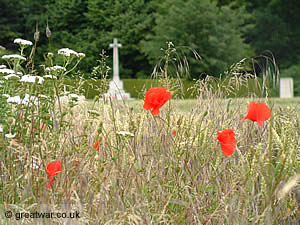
{"x":116,"y":90}
{"x":286,"y":87}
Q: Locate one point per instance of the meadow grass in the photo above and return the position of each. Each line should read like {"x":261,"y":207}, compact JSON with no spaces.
{"x":156,"y":177}
{"x":165,"y":169}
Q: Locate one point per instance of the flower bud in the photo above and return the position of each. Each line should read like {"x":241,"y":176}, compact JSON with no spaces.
{"x":36,"y":34}
{"x":48,"y":32}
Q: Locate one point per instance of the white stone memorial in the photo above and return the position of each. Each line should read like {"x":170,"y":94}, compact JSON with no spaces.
{"x":116,"y":90}
{"x":286,"y":87}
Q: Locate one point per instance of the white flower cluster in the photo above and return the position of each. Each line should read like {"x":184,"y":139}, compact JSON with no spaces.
{"x":68,"y":52}
{"x":3,"y":67}
{"x":22,"y":42}
{"x":5,"y":95}
{"x":31,"y":79}
{"x":13,"y":56}
{"x":125,"y":133}
{"x":55,"y":68}
{"x":6,"y":71}
{"x":50,"y":76}
{"x":12,"y":77}
{"x":27,"y":99}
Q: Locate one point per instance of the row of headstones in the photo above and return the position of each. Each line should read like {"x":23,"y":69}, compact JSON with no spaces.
{"x":116,"y":90}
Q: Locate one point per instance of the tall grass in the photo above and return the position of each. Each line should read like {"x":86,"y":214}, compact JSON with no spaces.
{"x":156,"y":176}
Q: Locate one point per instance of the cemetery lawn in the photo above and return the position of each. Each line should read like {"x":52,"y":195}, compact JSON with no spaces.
{"x":187,"y":105}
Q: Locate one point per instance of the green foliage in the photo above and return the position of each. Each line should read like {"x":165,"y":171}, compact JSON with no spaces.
{"x":215,"y":33}
{"x":137,"y":87}
{"x":11,"y":22}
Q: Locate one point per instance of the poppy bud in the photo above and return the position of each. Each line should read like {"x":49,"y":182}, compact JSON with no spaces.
{"x":10,"y":120}
{"x":36,"y":34}
{"x":48,"y":32}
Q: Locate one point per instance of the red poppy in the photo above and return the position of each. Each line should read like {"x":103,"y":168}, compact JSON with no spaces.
{"x":96,"y":145}
{"x":53,"y":169}
{"x":258,"y":112}
{"x":174,"y":132}
{"x":155,"y":98}
{"x":227,"y":141}
{"x":50,"y":183}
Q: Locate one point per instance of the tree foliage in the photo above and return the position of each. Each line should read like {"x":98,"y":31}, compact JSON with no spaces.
{"x":221,"y":31}
{"x":215,"y":33}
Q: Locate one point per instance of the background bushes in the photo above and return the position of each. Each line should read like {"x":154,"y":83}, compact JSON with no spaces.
{"x":137,"y":87}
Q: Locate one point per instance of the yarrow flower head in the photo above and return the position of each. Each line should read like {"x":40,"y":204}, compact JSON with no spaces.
{"x":13,"y":56}
{"x":227,"y":141}
{"x":22,"y":42}
{"x":3,"y":67}
{"x":27,"y":99}
{"x":6,"y":95}
{"x":55,"y":68}
{"x":6,"y":71}
{"x":81,"y":55}
{"x":155,"y":98}
{"x":258,"y":112}
{"x":12,"y":77}
{"x":50,"y":76}
{"x":31,"y":79}
{"x":50,"y":55}
{"x":53,"y":169}
{"x":125,"y":133}
{"x":15,"y":99}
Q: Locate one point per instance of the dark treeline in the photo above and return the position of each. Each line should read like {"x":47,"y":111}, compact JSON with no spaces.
{"x":222,"y":32}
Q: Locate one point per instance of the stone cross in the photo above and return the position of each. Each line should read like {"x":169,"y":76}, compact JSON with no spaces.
{"x":115,"y":47}
{"x":116,"y":90}
{"x":286,"y":87}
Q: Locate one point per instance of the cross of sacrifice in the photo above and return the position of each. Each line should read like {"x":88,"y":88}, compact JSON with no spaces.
{"x":115,"y":47}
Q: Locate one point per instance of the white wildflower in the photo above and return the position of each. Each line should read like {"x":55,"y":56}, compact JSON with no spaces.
{"x":7,"y":71}
{"x":81,"y":55}
{"x":67,"y":52}
{"x":6,"y":95}
{"x":15,"y":99}
{"x":50,"y":55}
{"x":55,"y":68}
{"x":50,"y":76}
{"x":29,"y":99}
{"x":22,"y":42}
{"x":43,"y":96}
{"x":12,"y":77}
{"x":13,"y":56}
{"x":10,"y":135}
{"x":18,"y":100}
{"x":19,"y":73}
{"x":2,"y":48}
{"x":1,"y":128}
{"x":1,"y":81}
{"x":125,"y":133}
{"x":94,"y":112}
{"x":3,"y":66}
{"x":31,"y":79}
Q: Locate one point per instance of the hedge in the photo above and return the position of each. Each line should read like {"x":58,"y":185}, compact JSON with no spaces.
{"x":137,"y":87}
